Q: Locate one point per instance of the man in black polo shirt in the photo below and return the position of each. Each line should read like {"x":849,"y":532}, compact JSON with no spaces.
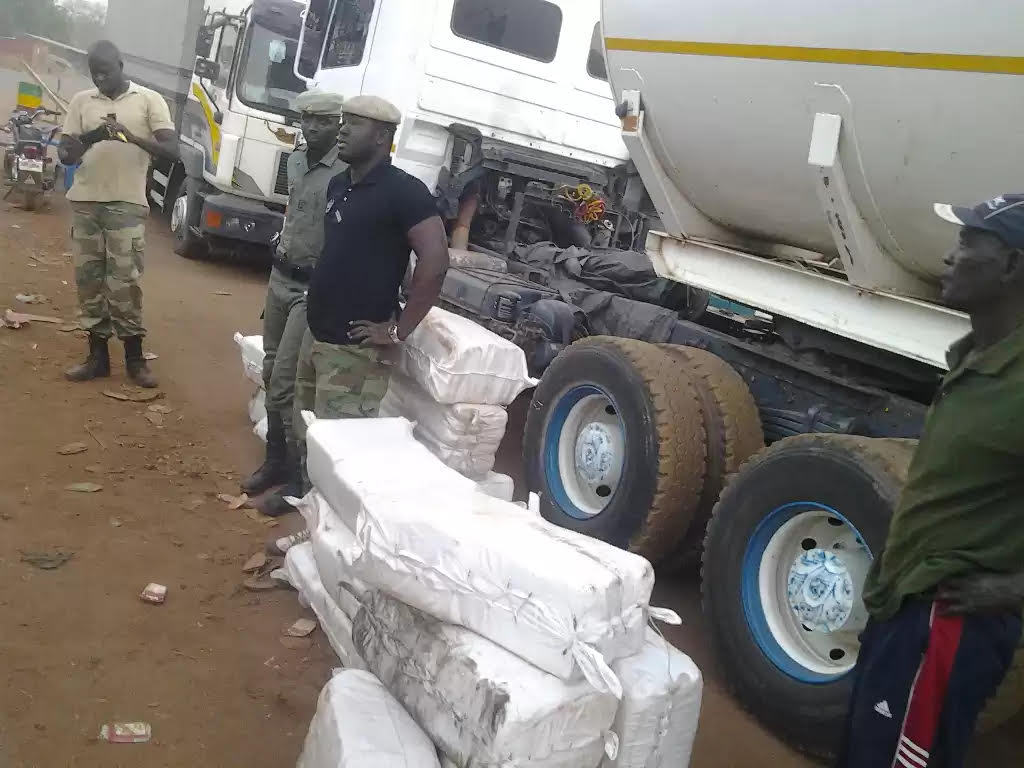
{"x":945,"y":596}
{"x":376,"y":214}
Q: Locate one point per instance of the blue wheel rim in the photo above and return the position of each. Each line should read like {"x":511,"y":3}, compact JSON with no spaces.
{"x":753,"y":607}
{"x":549,"y":454}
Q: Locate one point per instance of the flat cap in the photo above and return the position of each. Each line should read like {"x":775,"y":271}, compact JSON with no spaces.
{"x":318,"y":102}
{"x":373,"y":108}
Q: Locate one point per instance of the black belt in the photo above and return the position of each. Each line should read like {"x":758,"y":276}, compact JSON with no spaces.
{"x":298,"y":274}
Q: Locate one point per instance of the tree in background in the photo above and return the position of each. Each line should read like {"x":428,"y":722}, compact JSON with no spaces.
{"x":45,"y":18}
{"x":87,"y":21}
{"x":75,"y":22}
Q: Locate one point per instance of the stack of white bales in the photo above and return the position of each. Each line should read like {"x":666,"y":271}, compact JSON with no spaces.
{"x":509,"y":641}
{"x":454,"y":379}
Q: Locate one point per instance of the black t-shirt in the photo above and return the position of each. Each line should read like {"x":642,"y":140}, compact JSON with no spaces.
{"x":366,"y":249}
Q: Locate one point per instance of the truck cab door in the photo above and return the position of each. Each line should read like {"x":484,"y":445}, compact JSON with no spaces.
{"x":338,"y":38}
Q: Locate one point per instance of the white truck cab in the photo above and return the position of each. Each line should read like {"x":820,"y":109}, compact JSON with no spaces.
{"x":504,"y":102}
{"x":237,"y":128}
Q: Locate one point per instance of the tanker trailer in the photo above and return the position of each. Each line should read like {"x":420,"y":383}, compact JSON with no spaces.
{"x":795,"y":152}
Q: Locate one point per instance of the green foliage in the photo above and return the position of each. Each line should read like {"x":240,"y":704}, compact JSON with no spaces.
{"x":75,"y":22}
{"x":45,"y":18}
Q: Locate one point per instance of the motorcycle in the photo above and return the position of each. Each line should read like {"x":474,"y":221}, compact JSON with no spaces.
{"x":28,"y":168}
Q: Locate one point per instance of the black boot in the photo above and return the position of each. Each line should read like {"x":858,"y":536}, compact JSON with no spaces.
{"x":275,"y":505}
{"x":275,"y":468}
{"x":96,"y":366}
{"x":135,"y":364}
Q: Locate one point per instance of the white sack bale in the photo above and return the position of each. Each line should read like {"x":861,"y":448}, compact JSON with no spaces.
{"x":464,"y":436}
{"x":358,"y":724}
{"x":497,"y":485}
{"x":251,"y":348}
{"x":301,"y":572}
{"x":661,"y":697}
{"x":258,"y":406}
{"x":457,"y":361}
{"x":559,"y":599}
{"x":373,"y":454}
{"x":483,"y":706}
{"x":330,"y":538}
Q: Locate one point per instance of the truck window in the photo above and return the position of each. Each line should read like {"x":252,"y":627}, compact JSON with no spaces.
{"x":226,"y":53}
{"x":267,"y":80}
{"x":528,"y":28}
{"x":350,"y":28}
{"x":596,"y":66}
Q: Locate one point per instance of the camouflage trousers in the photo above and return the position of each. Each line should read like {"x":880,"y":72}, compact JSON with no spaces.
{"x":110,"y":242}
{"x":338,"y":382}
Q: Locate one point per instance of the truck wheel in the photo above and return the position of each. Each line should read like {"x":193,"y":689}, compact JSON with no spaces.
{"x":615,"y":445}
{"x":733,"y":426}
{"x":183,"y":218}
{"x":811,"y":504}
{"x":1009,"y":699}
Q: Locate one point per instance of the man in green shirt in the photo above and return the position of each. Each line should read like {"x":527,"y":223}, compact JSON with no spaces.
{"x":310,"y":170}
{"x":945,"y":596}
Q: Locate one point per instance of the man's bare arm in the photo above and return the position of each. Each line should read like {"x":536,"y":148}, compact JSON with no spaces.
{"x":983,"y":593}
{"x":430,"y":243}
{"x":164,"y":144}
{"x":70,"y":150}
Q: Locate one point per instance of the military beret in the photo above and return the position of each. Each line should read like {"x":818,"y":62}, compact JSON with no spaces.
{"x":318,"y":103}
{"x":373,"y":108}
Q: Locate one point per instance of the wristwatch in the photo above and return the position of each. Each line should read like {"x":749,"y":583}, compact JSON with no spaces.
{"x":393,"y":333}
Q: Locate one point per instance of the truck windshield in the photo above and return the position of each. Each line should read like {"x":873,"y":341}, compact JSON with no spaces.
{"x":268,"y":80}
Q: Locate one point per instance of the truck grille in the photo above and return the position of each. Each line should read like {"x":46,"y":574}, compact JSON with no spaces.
{"x":281,"y":184}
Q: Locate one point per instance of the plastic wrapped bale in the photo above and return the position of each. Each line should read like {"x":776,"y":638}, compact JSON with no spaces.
{"x":251,"y":348}
{"x":483,"y":706}
{"x":258,"y":414}
{"x":464,"y":436}
{"x":457,"y":361}
{"x":330,"y":538}
{"x":383,"y":453}
{"x":661,"y":697}
{"x":358,"y":724}
{"x":497,"y":485}
{"x":559,"y":599}
{"x":300,"y":569}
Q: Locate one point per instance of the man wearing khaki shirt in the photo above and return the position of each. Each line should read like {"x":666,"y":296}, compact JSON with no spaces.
{"x":112,"y":131}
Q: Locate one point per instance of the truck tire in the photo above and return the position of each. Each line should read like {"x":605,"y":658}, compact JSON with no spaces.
{"x":615,"y":445}
{"x":1009,"y":699}
{"x":804,"y":503}
{"x":183,"y":218}
{"x":733,"y":426}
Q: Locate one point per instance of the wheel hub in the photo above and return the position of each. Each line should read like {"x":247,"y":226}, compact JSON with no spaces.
{"x":591,"y":453}
{"x":596,"y":454}
{"x":179,"y":213}
{"x":821,"y":591}
{"x":807,"y":566}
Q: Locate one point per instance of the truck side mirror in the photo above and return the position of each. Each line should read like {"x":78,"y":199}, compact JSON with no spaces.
{"x":207,"y":69}
{"x":204,"y":42}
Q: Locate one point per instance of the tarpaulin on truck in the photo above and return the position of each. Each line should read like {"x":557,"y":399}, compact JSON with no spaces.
{"x":618,"y":292}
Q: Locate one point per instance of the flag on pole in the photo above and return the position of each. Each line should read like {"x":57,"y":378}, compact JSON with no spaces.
{"x":30,"y":95}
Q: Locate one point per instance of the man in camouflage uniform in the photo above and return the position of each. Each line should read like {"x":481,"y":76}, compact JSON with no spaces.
{"x":310,"y":169}
{"x":112,"y":131}
{"x":376,"y":215}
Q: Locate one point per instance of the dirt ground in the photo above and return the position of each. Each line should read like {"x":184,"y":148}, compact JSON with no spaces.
{"x":207,"y":669}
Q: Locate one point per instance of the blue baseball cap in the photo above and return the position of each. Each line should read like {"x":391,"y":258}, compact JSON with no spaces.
{"x":1003,"y":216}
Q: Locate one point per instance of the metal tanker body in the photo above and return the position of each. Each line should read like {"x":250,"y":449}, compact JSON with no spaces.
{"x":925,"y":102}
